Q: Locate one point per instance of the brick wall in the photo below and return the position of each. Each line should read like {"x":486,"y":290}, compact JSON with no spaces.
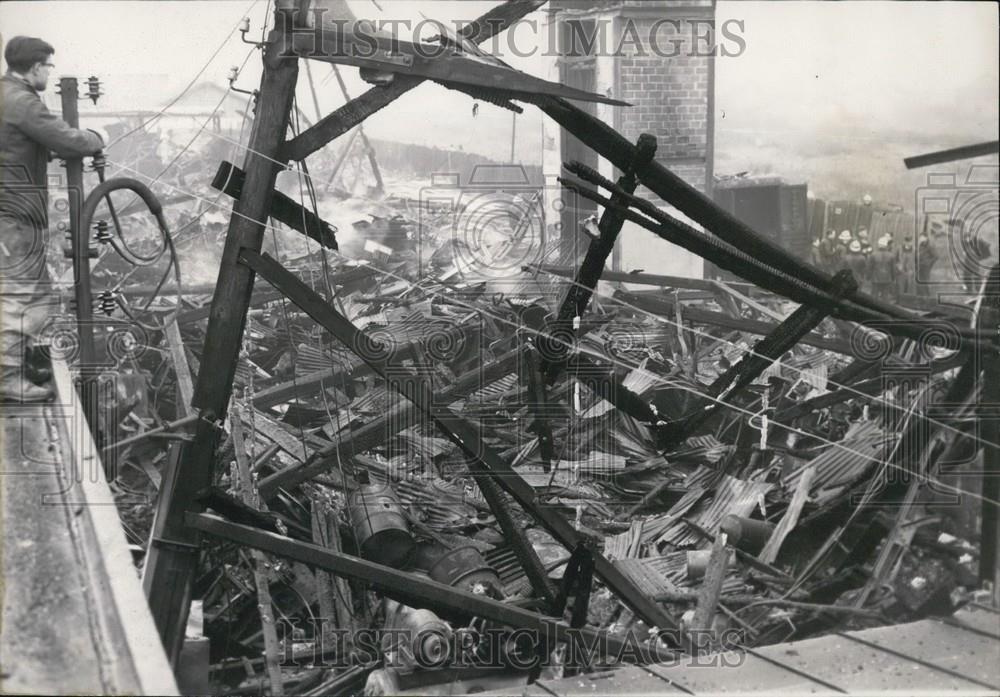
{"x":660,"y":53}
{"x":670,"y":94}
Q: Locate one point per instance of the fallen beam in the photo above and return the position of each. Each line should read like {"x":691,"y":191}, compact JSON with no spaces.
{"x":941,"y":157}
{"x":645,"y":279}
{"x":405,"y":587}
{"x":379,"y":430}
{"x":753,"y":363}
{"x":615,"y":148}
{"x":229,"y":179}
{"x":579,"y":293}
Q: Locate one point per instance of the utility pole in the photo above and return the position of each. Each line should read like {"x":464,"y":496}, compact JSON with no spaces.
{"x":80,"y":253}
{"x":173,"y":552}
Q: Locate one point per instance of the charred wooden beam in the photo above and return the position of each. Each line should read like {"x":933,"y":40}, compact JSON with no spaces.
{"x":749,"y":265}
{"x":989,"y":428}
{"x":663,"y":305}
{"x":578,"y":295}
{"x":229,"y":179}
{"x":463,"y":433}
{"x":753,"y":364}
{"x":538,"y":403}
{"x":952,"y":154}
{"x":515,"y":535}
{"x":786,"y":335}
{"x":380,"y":429}
{"x":614,"y":147}
{"x":405,"y":587}
{"x":357,"y":110}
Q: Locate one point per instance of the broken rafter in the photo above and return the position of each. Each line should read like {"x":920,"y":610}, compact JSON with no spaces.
{"x":752,"y":266}
{"x":753,"y":364}
{"x":614,"y":147}
{"x":357,"y":110}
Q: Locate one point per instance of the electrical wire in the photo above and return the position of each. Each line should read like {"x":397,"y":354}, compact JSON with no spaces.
{"x":190,"y":84}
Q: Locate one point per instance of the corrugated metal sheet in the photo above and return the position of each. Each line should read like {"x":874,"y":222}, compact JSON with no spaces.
{"x":494,"y":390}
{"x":668,"y":573}
{"x":843,"y":463}
{"x":729,"y":496}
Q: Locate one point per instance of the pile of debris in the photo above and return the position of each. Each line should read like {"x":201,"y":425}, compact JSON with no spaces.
{"x":647,"y":483}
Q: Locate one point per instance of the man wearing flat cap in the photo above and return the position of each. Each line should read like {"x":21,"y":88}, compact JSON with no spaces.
{"x":29,"y":134}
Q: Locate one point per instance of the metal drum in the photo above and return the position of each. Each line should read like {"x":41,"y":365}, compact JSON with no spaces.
{"x":747,"y":534}
{"x":464,"y":568}
{"x":380,"y":526}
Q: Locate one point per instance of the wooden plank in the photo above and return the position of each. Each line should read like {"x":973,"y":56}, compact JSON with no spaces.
{"x":978,"y":620}
{"x":185,"y":386}
{"x":275,"y":432}
{"x":789,"y":520}
{"x":261,"y":578}
{"x":852,"y":666}
{"x":631,"y":680}
{"x":711,"y":587}
{"x":940,"y":645}
{"x":230,"y":179}
{"x":750,"y":302}
{"x":735,"y":671}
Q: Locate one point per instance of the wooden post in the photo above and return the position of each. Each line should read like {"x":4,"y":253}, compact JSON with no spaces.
{"x":80,"y":244}
{"x":247,"y":491}
{"x":173,"y":558}
{"x":80,"y":253}
{"x":708,"y":594}
{"x":579,"y":293}
{"x":185,"y":385}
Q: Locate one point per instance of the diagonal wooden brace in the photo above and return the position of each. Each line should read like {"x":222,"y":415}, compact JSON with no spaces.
{"x":357,"y":110}
{"x":764,"y":353}
{"x":229,"y":179}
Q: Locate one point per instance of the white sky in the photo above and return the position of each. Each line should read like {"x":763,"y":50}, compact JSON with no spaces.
{"x":860,"y":70}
